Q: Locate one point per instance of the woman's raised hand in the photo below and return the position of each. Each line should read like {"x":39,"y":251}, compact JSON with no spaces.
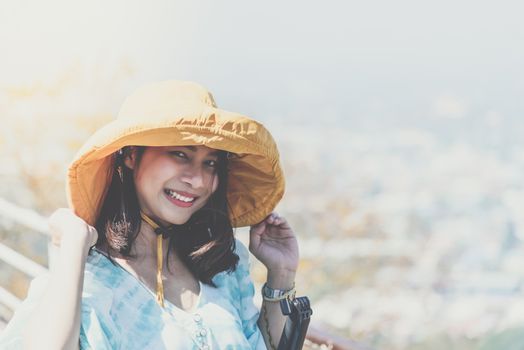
{"x":68,"y":229}
{"x":273,"y":242}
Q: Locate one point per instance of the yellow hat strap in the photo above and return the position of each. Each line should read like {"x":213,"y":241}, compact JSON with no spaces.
{"x":159,"y":256}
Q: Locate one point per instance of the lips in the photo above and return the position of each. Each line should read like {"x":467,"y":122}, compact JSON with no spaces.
{"x":180,"y":198}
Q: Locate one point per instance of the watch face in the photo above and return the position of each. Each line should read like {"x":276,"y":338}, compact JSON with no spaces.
{"x":268,"y":292}
{"x":276,"y":293}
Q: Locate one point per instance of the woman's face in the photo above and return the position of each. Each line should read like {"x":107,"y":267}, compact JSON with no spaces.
{"x":174,"y":182}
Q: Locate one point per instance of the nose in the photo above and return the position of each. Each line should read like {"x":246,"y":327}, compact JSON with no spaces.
{"x":194,"y":176}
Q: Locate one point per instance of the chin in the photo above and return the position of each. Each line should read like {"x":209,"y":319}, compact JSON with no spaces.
{"x":170,"y":220}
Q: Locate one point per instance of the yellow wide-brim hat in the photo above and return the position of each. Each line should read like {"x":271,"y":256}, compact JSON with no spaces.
{"x":176,"y":113}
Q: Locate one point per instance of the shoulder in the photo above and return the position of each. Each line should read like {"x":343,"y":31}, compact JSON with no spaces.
{"x":244,"y":262}
{"x":101,"y":276}
{"x":241,"y":290}
{"x":98,"y":266}
{"x":242,"y":252}
{"x":241,"y":269}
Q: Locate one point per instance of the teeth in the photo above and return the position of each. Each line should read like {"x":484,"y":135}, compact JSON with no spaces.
{"x":180,"y":197}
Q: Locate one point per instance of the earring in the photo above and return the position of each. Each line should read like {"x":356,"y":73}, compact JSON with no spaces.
{"x":120,"y":173}
{"x":209,"y":232}
{"x":120,"y":160}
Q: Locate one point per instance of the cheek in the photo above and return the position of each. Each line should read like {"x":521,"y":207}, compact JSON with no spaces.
{"x":147,"y":186}
{"x":141,"y":187}
{"x":140,"y":181}
{"x":152,"y":173}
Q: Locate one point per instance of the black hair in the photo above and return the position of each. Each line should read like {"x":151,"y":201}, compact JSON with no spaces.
{"x":205,"y":243}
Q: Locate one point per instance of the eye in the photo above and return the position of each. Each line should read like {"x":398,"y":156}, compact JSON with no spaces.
{"x":212,"y":164}
{"x":178,"y":154}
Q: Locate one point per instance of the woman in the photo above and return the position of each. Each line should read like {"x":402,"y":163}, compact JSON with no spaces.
{"x":148,"y":259}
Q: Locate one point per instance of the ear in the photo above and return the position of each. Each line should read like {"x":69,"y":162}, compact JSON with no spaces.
{"x":130,"y":157}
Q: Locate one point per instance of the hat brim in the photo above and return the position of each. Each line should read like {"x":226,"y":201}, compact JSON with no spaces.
{"x":255,"y":177}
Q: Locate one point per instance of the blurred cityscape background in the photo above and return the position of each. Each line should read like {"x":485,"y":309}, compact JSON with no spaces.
{"x":399,"y":126}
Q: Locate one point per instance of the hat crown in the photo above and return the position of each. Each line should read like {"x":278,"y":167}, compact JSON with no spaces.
{"x":176,"y":113}
{"x":165,"y":96}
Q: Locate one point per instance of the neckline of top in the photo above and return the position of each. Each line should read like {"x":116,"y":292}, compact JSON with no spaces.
{"x":167,"y":304}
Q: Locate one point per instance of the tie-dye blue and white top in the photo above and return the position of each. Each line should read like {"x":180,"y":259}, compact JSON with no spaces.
{"x":119,"y":312}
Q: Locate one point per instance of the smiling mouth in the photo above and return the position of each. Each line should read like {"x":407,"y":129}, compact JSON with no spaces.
{"x":180,"y":197}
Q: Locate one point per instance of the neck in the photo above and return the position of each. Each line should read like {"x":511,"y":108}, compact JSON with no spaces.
{"x":145,"y":244}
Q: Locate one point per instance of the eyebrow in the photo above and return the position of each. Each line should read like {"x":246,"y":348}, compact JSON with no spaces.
{"x":193,"y":149}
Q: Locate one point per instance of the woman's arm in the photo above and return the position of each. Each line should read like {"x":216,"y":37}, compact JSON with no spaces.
{"x":270,"y":313}
{"x":55,"y":323}
{"x":273,"y":242}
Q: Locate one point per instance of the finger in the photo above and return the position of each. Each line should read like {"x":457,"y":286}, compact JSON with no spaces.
{"x":254,"y":239}
{"x":281,"y":221}
{"x":93,"y":234}
{"x":277,"y":220}
{"x":56,"y":240}
{"x":275,"y":217}
{"x":270,"y":219}
{"x":258,"y":228}
{"x":261,"y":226}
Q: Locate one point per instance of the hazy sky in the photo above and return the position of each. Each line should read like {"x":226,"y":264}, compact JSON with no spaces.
{"x":343,"y":59}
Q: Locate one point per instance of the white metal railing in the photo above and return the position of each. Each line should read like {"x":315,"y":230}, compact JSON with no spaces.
{"x":15,"y":259}
{"x":26,"y":217}
{"x":33,"y":221}
{"x":8,"y":299}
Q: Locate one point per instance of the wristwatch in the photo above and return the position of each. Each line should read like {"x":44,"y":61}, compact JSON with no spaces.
{"x":277,"y":294}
